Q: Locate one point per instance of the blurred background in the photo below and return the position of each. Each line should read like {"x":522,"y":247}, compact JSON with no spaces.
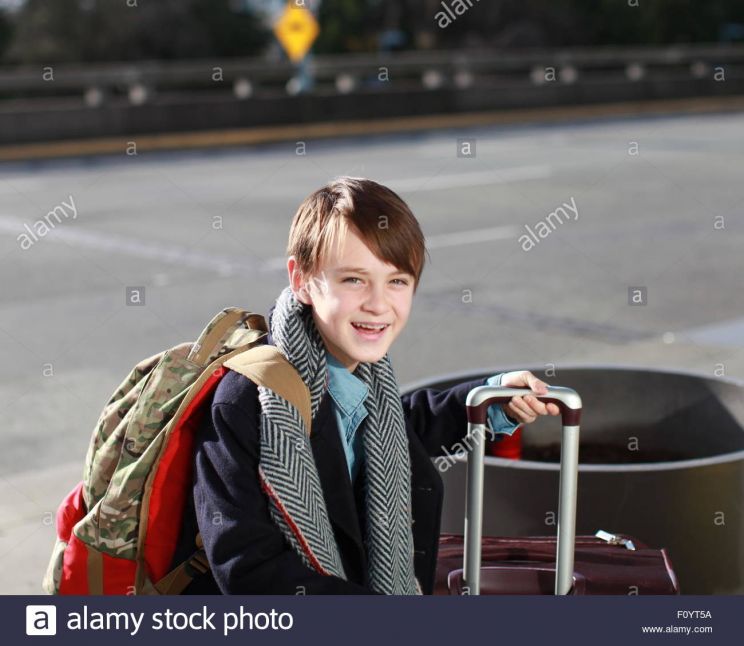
{"x":77,"y":69}
{"x":575,"y":165}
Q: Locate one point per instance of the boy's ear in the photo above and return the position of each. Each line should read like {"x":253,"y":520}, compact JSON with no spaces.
{"x":295,"y":282}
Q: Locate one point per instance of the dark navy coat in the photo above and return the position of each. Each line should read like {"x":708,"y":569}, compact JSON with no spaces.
{"x":247,"y":552}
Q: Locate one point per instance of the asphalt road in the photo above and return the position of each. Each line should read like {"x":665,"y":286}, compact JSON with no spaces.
{"x":658,"y":205}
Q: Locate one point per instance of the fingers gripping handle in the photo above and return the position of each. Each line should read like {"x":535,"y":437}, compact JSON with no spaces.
{"x":477,"y":403}
{"x":479,"y":399}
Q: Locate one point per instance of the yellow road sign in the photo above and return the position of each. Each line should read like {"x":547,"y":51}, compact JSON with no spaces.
{"x":296,"y":30}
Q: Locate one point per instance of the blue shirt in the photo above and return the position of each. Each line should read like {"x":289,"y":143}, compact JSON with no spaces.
{"x":497,"y":418}
{"x":348,"y":393}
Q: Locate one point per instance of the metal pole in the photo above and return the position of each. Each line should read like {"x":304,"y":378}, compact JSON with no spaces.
{"x":564,"y":557}
{"x":474,"y":508}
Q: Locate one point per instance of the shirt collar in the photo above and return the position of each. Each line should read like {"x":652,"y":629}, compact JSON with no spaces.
{"x":347,"y":390}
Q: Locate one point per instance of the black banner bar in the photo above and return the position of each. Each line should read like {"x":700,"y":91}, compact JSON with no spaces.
{"x":377,"y":621}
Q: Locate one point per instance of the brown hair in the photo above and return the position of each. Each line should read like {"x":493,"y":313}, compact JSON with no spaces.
{"x":374,"y":212}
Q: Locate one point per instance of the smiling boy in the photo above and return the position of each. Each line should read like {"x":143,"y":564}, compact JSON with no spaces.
{"x":355,"y":507}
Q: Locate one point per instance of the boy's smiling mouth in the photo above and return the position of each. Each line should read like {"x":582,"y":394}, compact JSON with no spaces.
{"x":376,"y":326}
{"x":370,"y":330}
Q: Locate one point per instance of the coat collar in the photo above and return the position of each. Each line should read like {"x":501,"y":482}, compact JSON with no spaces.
{"x":330,"y":460}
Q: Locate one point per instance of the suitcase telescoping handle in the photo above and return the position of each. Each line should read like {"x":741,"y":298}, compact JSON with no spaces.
{"x":477,"y":403}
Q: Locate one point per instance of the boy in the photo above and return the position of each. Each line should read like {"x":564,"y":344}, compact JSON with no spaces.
{"x":355,"y":508}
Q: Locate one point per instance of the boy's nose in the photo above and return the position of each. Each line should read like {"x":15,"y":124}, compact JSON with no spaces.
{"x":376,"y":301}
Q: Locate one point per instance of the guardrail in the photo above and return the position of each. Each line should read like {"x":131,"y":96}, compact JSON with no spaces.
{"x":143,"y":82}
{"x":44,"y":104}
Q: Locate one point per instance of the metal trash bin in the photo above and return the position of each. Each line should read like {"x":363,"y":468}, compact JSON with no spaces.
{"x":661,"y":458}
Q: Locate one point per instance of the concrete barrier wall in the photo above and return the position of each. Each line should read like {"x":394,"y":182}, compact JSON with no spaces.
{"x":24,"y":121}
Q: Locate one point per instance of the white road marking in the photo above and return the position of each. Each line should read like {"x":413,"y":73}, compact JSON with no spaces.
{"x":224,"y":265}
{"x":471,"y":237}
{"x":73,"y":234}
{"x":478,"y":178}
{"x":724,"y":333}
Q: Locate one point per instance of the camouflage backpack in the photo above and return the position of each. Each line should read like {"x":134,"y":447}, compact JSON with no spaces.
{"x":118,"y":529}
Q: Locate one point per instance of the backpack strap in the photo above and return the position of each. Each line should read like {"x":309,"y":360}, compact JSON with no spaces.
{"x":266,"y":366}
{"x":179,"y":577}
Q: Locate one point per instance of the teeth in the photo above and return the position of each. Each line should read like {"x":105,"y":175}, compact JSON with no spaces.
{"x":371,"y":327}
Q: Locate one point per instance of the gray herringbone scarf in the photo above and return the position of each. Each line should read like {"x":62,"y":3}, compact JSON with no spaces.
{"x":289,"y":475}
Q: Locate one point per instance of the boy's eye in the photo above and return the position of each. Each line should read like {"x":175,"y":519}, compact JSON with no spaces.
{"x":402,"y":281}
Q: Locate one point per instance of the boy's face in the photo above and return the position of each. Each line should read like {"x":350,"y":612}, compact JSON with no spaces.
{"x":354,"y":286}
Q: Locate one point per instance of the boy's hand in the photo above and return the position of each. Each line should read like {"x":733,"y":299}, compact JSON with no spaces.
{"x":526,"y":409}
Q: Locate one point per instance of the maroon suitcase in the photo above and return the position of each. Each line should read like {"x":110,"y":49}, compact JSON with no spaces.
{"x":526,"y":565}
{"x":562,"y":564}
